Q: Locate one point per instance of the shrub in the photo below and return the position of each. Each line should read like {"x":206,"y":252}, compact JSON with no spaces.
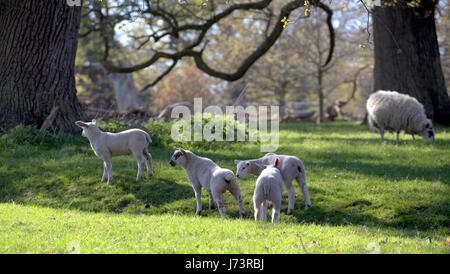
{"x":30,"y":135}
{"x":111,"y":125}
{"x":161,"y":132}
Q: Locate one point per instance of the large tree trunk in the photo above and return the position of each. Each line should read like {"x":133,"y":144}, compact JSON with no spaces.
{"x":407,"y":56}
{"x":37,"y":57}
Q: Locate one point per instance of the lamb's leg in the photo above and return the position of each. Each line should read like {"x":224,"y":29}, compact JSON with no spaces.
{"x":108,"y":164}
{"x":291,"y":197}
{"x":105,"y":173}
{"x":198,"y":196}
{"x":276,"y":215}
{"x":236,"y":191}
{"x":302,"y":183}
{"x":148,"y":164}
{"x":141,"y":164}
{"x":256,"y":209}
{"x":398,"y":132}
{"x":212,"y":203}
{"x":140,"y":158}
{"x":413,"y":136}
{"x":381,"y":134}
{"x":263,"y":210}
{"x":220,"y":205}
{"x":257,"y":206}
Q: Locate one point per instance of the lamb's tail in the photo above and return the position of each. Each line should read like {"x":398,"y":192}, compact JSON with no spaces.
{"x":229,"y":177}
{"x":266,"y":189}
{"x":147,"y":138}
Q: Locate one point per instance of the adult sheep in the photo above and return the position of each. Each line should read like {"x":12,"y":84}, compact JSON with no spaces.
{"x":393,"y":111}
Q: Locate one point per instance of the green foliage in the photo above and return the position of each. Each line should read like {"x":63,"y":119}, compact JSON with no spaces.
{"x":111,"y":125}
{"x":30,"y":135}
{"x":161,"y":132}
{"x":362,"y":190}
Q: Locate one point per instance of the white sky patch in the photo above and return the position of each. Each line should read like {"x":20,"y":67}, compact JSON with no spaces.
{"x":126,"y":28}
{"x":336,"y":24}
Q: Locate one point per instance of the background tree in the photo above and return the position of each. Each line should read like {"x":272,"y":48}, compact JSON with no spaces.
{"x":407,"y":57}
{"x":37,"y":55}
{"x":183,"y":84}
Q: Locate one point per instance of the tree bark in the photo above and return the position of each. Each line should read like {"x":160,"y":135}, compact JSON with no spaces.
{"x":407,"y":56}
{"x":37,"y":58}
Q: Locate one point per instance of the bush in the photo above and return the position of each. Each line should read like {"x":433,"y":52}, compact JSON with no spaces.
{"x":161,"y":133}
{"x":30,"y":135}
{"x":111,"y":125}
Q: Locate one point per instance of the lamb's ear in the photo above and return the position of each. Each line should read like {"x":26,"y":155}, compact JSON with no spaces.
{"x":236,"y":162}
{"x":81,"y":124}
{"x":94,"y":121}
{"x":182,"y":151}
{"x":277,"y":161}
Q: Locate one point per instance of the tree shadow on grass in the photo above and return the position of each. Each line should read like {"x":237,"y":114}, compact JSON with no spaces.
{"x":417,"y":218}
{"x":159,"y":192}
{"x":360,"y":163}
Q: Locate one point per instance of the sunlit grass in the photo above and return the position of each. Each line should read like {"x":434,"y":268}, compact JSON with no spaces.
{"x":362,"y":191}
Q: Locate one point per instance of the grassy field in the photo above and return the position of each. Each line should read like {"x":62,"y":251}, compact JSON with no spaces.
{"x":367,"y":196}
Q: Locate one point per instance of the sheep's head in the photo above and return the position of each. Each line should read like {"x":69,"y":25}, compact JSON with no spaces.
{"x":242,"y":168}
{"x":428,"y":132}
{"x":178,"y":157}
{"x":88,"y":127}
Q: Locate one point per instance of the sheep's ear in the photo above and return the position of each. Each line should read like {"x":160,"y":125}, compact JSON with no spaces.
{"x":277,"y":162}
{"x":427,"y":125}
{"x":81,"y":124}
{"x":236,"y":162}
{"x":182,"y":151}
{"x":94,"y":121}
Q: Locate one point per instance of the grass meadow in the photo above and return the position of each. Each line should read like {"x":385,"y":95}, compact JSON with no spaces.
{"x":367,"y":196}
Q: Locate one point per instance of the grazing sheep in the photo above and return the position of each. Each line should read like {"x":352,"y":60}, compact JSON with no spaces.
{"x":107,"y":145}
{"x":393,"y":111}
{"x":269,"y":187}
{"x":290,"y":167}
{"x":202,"y":172}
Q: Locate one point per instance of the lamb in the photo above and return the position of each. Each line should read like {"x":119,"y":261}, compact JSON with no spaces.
{"x":107,"y":145}
{"x":290,"y":167}
{"x":393,"y":111}
{"x":203,"y":172}
{"x":269,"y":187}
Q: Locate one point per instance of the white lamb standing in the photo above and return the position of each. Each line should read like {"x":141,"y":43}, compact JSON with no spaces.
{"x":393,"y":111}
{"x":290,"y":167}
{"x":269,"y":187}
{"x":107,"y":145}
{"x":203,"y":172}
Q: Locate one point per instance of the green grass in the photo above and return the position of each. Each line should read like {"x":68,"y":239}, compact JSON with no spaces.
{"x":363,"y":191}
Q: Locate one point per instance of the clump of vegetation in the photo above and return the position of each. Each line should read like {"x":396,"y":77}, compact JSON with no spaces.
{"x":162,"y":132}
{"x":30,"y":135}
